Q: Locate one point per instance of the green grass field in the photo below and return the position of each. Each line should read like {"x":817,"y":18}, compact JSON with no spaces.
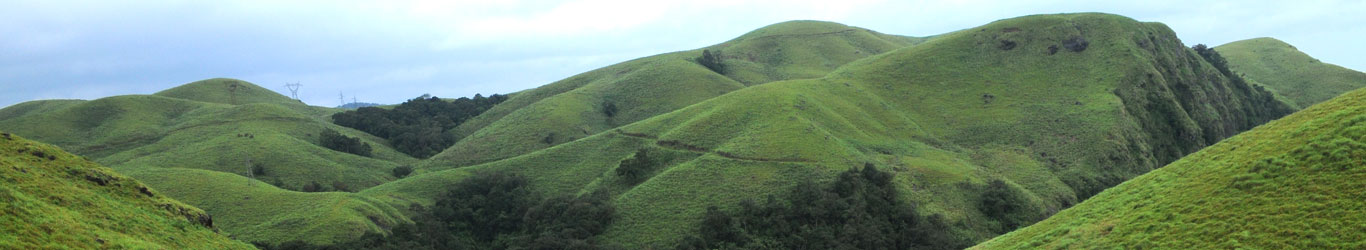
{"x":571,"y":109}
{"x":1288,"y":72}
{"x":1294,"y":183}
{"x":56,"y":200}
{"x":177,"y":132}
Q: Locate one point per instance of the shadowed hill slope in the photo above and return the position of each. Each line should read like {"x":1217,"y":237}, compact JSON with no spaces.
{"x":1059,"y":107}
{"x":1289,"y":72}
{"x":53,"y":199}
{"x":574,"y":108}
{"x":1294,"y":183}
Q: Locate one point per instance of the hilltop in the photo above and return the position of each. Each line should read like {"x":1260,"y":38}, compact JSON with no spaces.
{"x":1288,"y":72}
{"x":1292,"y":183}
{"x":577,"y":107}
{"x":54,"y":199}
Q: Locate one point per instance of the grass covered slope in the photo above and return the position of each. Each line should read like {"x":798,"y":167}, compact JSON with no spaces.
{"x":53,"y":199}
{"x":576,"y":107}
{"x":1292,"y":183}
{"x":139,"y":134}
{"x":1057,"y":107}
{"x":1289,"y":72}
{"x":255,"y":211}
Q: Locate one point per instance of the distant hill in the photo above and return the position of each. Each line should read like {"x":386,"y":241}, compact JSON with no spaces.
{"x":1294,"y":183}
{"x":574,"y":108}
{"x":1288,"y":72}
{"x":356,"y":105}
{"x":53,"y":199}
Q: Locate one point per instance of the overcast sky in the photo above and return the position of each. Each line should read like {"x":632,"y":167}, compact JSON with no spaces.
{"x":390,"y":51}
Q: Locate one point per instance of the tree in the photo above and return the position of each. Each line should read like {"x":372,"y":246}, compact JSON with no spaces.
{"x":417,"y":127}
{"x":1006,"y":205}
{"x":712,"y":61}
{"x":341,"y":143}
{"x":401,"y":171}
{"x":633,"y":169}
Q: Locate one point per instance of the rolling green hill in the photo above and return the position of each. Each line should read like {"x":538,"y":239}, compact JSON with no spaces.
{"x":1057,"y":106}
{"x":54,"y":200}
{"x":1294,"y":183}
{"x":1289,"y":72}
{"x":168,"y":133}
{"x":1054,"y":108}
{"x":573,"y":108}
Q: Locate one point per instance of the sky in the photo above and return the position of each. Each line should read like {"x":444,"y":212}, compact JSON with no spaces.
{"x":391,"y":51}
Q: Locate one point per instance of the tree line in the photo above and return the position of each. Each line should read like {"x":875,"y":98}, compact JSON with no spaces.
{"x":418,"y":126}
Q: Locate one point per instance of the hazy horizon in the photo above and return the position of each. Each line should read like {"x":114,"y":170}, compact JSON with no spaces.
{"x":392,"y":51}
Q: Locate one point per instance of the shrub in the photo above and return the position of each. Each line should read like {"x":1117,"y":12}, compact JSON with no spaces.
{"x":712,"y":61}
{"x":401,"y":171}
{"x":1006,"y":205}
{"x":634,"y":169}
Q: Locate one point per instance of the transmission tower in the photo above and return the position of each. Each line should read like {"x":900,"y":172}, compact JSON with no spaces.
{"x":294,"y":89}
{"x":341,"y":99}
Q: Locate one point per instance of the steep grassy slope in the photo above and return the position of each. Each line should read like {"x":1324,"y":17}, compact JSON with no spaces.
{"x":53,"y":199}
{"x":1294,"y":183}
{"x":1057,"y":106}
{"x":153,"y":133}
{"x":1289,"y":72}
{"x":573,"y":108}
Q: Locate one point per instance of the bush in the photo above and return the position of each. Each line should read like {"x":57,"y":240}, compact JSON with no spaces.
{"x":258,"y":169}
{"x":341,"y":143}
{"x":712,"y":61}
{"x":1006,"y":205}
{"x":401,"y":171}
{"x":634,"y":169}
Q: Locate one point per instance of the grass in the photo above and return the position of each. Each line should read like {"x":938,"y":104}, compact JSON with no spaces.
{"x":1288,"y":72}
{"x":570,"y":109}
{"x":1017,"y":100}
{"x":165,"y":132}
{"x":1292,"y":183}
{"x":255,"y":211}
{"x":53,"y":200}
{"x":946,"y":115}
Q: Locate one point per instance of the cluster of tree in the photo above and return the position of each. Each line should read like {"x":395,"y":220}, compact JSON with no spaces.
{"x":636,"y":168}
{"x":1006,"y":205}
{"x":401,"y":171}
{"x":341,"y":143}
{"x":314,"y":186}
{"x":492,"y":210}
{"x":712,"y":61}
{"x":861,"y":209}
{"x":417,"y":127}
{"x":1213,"y":58}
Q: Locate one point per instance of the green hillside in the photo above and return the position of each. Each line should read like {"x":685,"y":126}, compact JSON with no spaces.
{"x":573,"y":108}
{"x":56,"y":200}
{"x":1057,"y":106}
{"x":1294,"y":183}
{"x":1289,"y":72}
{"x":164,"y":133}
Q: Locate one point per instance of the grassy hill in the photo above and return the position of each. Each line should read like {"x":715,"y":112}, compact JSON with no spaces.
{"x":573,"y":108}
{"x":1057,"y":106}
{"x":1289,"y":72}
{"x":53,"y":200}
{"x":1294,"y":183}
{"x":180,"y":129}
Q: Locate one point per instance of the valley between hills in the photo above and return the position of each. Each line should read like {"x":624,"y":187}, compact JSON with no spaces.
{"x":1061,"y":131}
